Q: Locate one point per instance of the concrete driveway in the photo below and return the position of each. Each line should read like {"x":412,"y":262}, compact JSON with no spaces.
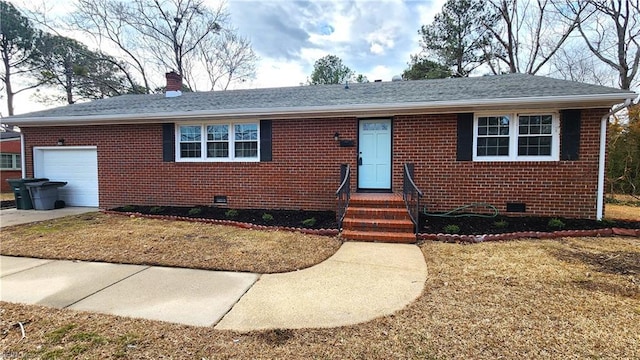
{"x":10,"y":217}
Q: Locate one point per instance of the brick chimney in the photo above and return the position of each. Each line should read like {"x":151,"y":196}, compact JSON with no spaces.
{"x":174,"y":84}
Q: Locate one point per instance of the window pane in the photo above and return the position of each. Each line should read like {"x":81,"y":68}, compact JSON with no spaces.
{"x":493,"y":136}
{"x":535,"y":125}
{"x":6,"y":161}
{"x":190,"y":133}
{"x":246,"y":132}
{"x":218,"y":149}
{"x":190,"y":150}
{"x":534,"y":146}
{"x":493,"y":146}
{"x":218,"y":132}
{"x":18,"y":164}
{"x":246,"y":149}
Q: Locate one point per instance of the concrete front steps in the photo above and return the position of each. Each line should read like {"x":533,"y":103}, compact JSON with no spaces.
{"x":379,"y":218}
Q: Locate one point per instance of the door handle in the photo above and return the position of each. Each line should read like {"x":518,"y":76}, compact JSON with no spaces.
{"x":359,"y":160}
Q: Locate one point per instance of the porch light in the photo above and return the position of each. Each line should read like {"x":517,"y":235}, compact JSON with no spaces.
{"x":60,"y":142}
{"x":336,"y":136}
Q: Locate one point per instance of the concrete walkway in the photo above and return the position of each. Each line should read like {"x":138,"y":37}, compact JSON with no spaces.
{"x":361,"y":282}
{"x":9,"y":217}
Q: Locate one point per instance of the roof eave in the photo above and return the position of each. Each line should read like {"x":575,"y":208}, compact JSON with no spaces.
{"x":461,"y":105}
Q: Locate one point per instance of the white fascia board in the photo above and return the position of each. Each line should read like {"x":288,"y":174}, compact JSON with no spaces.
{"x":601,"y":100}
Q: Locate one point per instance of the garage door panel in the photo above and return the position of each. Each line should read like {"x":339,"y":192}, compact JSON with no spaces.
{"x":77,"y":166}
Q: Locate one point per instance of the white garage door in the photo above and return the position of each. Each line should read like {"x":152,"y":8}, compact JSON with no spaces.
{"x":78,"y":166}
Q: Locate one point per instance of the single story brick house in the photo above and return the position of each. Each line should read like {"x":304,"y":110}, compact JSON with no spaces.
{"x":10,"y":161}
{"x":527,"y":144}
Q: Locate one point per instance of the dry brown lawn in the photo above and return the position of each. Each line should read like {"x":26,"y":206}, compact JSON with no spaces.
{"x":622,"y":212}
{"x":529,"y":299}
{"x":136,"y":240}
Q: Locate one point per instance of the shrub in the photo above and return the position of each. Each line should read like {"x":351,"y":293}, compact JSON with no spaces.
{"x":309,"y":222}
{"x":556,"y":224}
{"x":195,"y":211}
{"x":128,"y":208}
{"x":501,"y":224}
{"x":156,"y":209}
{"x":452,"y":229}
{"x":267,"y":217}
{"x":231,"y":213}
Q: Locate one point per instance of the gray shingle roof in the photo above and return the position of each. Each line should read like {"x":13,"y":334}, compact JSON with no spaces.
{"x":9,"y":135}
{"x":334,"y":97}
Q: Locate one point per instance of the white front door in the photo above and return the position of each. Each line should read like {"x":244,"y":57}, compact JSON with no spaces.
{"x":374,"y":158}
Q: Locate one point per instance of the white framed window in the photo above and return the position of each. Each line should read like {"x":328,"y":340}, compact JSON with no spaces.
{"x":531,"y":136}
{"x":218,"y":142}
{"x":10,"y":162}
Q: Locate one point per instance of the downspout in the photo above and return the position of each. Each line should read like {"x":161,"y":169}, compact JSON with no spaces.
{"x":601,"y":160}
{"x":23,"y":160}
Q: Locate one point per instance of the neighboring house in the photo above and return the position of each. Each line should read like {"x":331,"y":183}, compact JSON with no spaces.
{"x":529,"y":145}
{"x":10,"y":164}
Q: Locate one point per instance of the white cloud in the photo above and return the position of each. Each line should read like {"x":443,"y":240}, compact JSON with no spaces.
{"x":278,"y":73}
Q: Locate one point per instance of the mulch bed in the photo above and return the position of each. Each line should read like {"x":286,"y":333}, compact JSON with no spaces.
{"x":261,"y":217}
{"x":467,"y":225}
{"x":470,"y":225}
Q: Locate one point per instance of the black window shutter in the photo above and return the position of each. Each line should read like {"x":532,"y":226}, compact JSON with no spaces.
{"x":570,"y":137}
{"x":265,"y":140}
{"x":168,"y":142}
{"x":465,"y":137}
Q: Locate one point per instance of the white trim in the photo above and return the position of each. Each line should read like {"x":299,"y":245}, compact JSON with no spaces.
{"x":514,"y":122}
{"x":203,"y":143}
{"x":379,"y":110}
{"x":88,"y":147}
{"x":602,"y":158}
{"x":23,"y":151}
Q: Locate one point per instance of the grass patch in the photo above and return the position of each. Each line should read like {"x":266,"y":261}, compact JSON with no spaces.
{"x":623,"y":212}
{"x":133,"y":240}
{"x":58,"y":334}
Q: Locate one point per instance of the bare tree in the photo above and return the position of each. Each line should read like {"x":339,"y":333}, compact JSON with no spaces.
{"x":173,"y":29}
{"x":160,"y":35}
{"x":228,"y":59}
{"x":612,"y":33}
{"x":528,"y":33}
{"x":573,"y":63}
{"x":106,"y":21}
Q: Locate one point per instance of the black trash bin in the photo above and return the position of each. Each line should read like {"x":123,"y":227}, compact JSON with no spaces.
{"x":44,"y":194}
{"x":21,"y":193}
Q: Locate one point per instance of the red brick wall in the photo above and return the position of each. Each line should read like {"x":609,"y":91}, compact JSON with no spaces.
{"x":304,"y":173}
{"x":9,"y":147}
{"x":563,"y":188}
